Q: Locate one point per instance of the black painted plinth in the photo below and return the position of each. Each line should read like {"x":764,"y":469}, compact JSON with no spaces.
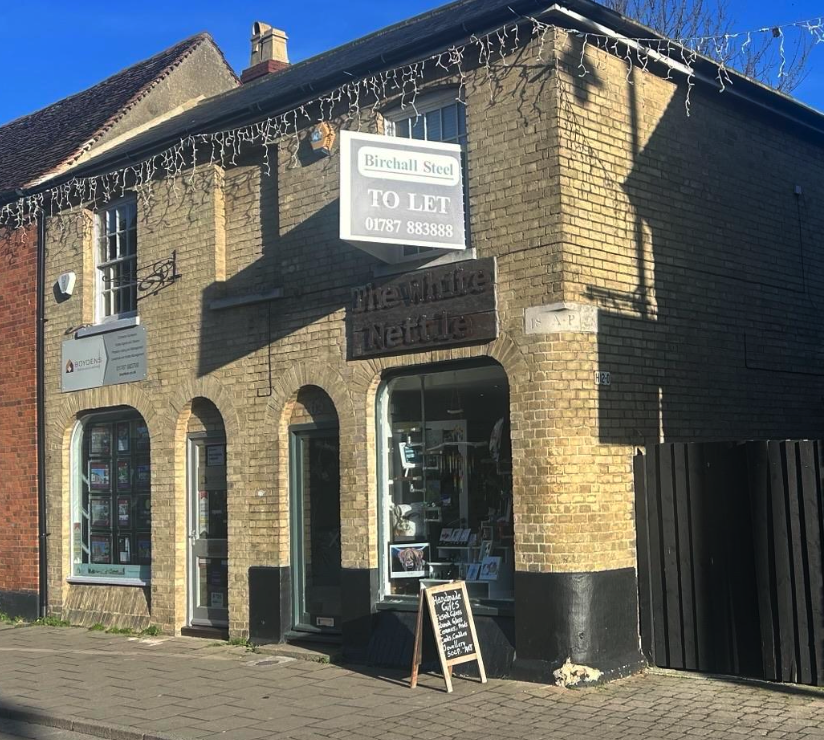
{"x":393,"y":639}
{"x":270,"y":603}
{"x":23,"y":604}
{"x":590,"y":618}
{"x":359,"y":589}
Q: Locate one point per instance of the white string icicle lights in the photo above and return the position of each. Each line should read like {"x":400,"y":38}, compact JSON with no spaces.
{"x":403,"y":82}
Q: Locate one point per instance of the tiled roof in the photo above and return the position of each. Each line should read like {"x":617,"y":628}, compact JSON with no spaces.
{"x":41,"y":142}
{"x":408,"y":40}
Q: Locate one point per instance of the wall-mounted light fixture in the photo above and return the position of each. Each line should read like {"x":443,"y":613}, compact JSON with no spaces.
{"x":322,"y":138}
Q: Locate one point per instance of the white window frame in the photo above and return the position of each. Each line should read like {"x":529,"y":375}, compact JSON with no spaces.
{"x":100,"y":284}
{"x":426,"y":103}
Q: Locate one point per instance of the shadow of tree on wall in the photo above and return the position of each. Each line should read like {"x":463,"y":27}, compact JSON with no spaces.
{"x":718,"y":338}
{"x":306,"y":260}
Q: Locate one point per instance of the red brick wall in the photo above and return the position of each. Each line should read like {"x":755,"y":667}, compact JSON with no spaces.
{"x":18,"y":413}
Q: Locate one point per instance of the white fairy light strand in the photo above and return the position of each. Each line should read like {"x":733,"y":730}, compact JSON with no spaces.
{"x":224,"y":147}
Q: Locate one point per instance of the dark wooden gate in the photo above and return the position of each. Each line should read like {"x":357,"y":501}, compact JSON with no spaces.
{"x":729,"y":558}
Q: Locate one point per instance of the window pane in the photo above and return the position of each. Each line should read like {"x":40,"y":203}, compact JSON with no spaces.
{"x":450,"y":122}
{"x":449,"y":482}
{"x":433,"y":125}
{"x":418,"y":129}
{"x":118,"y":241}
{"x":402,"y":128}
{"x":111,"y":528}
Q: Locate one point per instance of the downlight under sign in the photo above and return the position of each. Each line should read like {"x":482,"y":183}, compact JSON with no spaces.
{"x":398,"y":192}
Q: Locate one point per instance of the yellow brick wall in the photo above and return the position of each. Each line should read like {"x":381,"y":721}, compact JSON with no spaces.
{"x":579,"y":200}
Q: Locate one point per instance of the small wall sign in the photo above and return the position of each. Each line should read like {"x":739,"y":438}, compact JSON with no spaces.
{"x":104,"y":359}
{"x":556,"y":318}
{"x":603,"y":378}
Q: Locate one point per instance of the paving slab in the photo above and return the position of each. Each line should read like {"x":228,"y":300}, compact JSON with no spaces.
{"x":115,"y":686}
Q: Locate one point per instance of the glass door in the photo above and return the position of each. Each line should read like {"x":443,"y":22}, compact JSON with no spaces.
{"x":208,"y":533}
{"x":315,"y":526}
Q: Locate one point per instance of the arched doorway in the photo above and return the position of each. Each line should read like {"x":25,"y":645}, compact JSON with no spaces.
{"x":314,"y":452}
{"x":207,"y":518}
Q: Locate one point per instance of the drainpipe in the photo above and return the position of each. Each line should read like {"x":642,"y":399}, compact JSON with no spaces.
{"x":41,"y":421}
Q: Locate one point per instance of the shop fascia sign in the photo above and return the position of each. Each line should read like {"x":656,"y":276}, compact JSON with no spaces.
{"x":104,"y":359}
{"x":397,"y":193}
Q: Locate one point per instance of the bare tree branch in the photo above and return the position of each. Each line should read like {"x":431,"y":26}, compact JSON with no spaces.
{"x":759,"y":58}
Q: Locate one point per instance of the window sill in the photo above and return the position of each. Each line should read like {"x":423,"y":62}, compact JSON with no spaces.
{"x":103,"y":581}
{"x":478,"y":610}
{"x":107,"y":326}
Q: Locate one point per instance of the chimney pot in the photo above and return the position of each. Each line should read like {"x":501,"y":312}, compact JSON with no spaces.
{"x":268,"y":44}
{"x":268,"y":52}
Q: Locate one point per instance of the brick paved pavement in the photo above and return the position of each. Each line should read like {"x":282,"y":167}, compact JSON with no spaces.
{"x":185,"y":688}
{"x":12,"y":730}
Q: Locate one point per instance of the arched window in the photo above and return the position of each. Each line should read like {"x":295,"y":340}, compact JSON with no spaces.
{"x":446,"y":481}
{"x":111,"y":536}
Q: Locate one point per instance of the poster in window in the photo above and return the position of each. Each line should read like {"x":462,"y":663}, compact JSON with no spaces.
{"x":101,"y":441}
{"x":101,"y":547}
{"x":141,"y":433}
{"x":142,"y":475}
{"x":144,"y":512}
{"x":124,"y":477}
{"x":203,"y":513}
{"x":99,"y":476}
{"x":100,"y":513}
{"x":123,"y":436}
{"x":215,"y":455}
{"x":490,"y":567}
{"x":124,"y":511}
{"x":144,"y":549}
{"x":124,"y":548}
{"x":409,"y":560}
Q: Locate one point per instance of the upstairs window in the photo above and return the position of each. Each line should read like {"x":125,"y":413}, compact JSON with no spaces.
{"x":438,"y":116}
{"x":116,"y":258}
{"x":435,"y":117}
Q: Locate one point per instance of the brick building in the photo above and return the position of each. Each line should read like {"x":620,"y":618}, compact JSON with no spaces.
{"x":34,"y":150}
{"x":298,"y":430}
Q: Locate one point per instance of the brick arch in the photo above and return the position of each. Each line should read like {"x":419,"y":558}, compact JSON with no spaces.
{"x":76,"y":404}
{"x":212,"y":390}
{"x":180,"y":405}
{"x":354,"y":516}
{"x":321,"y":374}
{"x":63,"y":420}
{"x":365,"y":379}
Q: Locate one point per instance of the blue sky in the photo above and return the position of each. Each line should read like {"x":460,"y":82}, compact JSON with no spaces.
{"x":51,"y":49}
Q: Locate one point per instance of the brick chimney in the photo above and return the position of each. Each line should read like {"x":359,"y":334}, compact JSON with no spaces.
{"x":268,"y":52}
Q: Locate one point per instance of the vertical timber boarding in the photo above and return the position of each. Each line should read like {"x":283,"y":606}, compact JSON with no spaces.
{"x":730,"y":566}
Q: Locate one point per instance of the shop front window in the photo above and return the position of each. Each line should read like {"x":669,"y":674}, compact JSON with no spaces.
{"x":446,"y":482}
{"x":111,"y":498}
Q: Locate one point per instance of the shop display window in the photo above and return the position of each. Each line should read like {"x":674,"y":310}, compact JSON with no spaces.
{"x":112,"y":505}
{"x":446,"y":482}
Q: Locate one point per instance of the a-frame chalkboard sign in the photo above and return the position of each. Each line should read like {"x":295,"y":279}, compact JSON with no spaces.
{"x":454,"y":628}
